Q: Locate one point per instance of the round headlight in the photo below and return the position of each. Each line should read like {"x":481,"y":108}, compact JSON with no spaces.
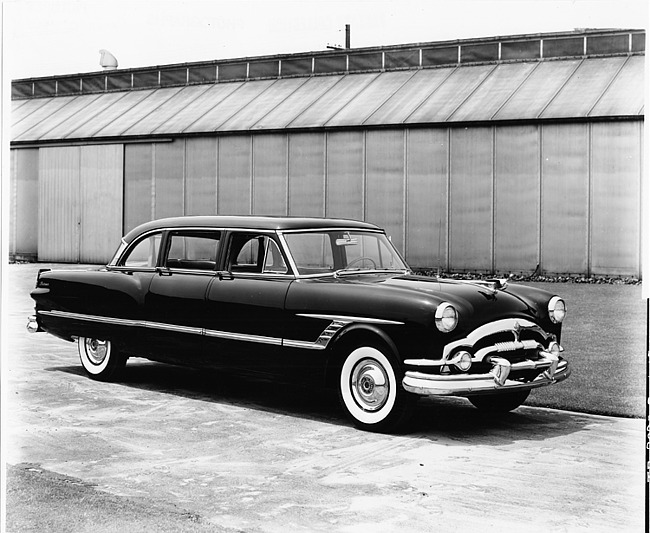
{"x":556,"y":310}
{"x":446,"y":317}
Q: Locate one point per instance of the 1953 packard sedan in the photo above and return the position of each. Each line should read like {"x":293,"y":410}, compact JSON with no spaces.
{"x":322,"y":301}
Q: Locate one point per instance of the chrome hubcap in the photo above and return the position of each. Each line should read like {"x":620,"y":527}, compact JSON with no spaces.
{"x":96,"y":350}
{"x":370,"y":385}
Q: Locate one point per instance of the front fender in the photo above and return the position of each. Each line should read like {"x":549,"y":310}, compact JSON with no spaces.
{"x":364,"y":331}
{"x":351,"y":336}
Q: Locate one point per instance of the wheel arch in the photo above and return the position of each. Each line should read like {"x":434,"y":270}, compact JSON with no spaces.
{"x":352,"y":336}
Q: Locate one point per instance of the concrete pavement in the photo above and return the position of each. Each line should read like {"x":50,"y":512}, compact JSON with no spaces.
{"x":255,"y":456}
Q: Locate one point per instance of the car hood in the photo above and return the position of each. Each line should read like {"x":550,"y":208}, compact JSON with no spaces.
{"x":415,"y":298}
{"x":468,"y":296}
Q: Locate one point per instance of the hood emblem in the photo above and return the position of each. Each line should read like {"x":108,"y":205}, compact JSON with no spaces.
{"x":516,"y":329}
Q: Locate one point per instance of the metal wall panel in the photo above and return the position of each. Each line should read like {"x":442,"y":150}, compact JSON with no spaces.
{"x":80,"y":199}
{"x":427,"y":187}
{"x":345,"y":175}
{"x":471,"y":199}
{"x":23,"y":207}
{"x":169,"y":168}
{"x":385,"y":182}
{"x":201,"y":176}
{"x":138,"y":184}
{"x":101,"y":182}
{"x":517,"y":199}
{"x":307,"y":174}
{"x":270,"y":174}
{"x":234,"y":186}
{"x":616,"y":202}
{"x":59,"y":223}
{"x":565,"y":197}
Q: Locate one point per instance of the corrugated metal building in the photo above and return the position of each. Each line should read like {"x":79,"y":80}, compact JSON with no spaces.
{"x":492,"y":155}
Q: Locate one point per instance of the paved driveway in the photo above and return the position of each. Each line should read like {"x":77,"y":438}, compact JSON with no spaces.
{"x":254,"y":456}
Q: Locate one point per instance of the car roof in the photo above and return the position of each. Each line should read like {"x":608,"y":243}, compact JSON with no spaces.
{"x":248,"y":222}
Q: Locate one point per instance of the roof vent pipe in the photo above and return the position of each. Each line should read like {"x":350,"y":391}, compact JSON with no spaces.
{"x":107,"y":60}
{"x":347,"y":36}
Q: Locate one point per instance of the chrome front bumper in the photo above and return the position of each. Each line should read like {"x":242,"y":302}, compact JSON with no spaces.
{"x":552,"y":370}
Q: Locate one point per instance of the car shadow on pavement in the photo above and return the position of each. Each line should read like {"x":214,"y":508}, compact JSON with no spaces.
{"x":454,"y":418}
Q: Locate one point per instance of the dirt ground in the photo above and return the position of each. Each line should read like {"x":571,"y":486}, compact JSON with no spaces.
{"x":172,"y":449}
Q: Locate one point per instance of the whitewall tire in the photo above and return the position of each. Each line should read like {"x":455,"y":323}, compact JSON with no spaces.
{"x":370,"y":390}
{"x":99,"y":358}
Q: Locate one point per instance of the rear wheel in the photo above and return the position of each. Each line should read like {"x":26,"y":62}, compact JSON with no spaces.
{"x":500,"y":403}
{"x":100,"y":359}
{"x":370,"y":392}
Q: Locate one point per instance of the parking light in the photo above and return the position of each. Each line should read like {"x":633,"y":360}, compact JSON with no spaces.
{"x":463,"y":361}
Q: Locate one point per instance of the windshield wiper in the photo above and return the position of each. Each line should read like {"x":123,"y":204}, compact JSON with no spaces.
{"x":344,"y":271}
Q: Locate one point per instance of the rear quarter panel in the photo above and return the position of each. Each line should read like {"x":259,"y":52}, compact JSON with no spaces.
{"x":92,"y":293}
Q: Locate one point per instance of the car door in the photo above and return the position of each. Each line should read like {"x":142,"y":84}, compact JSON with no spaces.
{"x":245,"y":303}
{"x":176,"y":301}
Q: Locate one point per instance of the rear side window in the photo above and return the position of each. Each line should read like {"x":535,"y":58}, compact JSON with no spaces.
{"x":193,"y":251}
{"x":256,"y":254}
{"x":144,"y":254}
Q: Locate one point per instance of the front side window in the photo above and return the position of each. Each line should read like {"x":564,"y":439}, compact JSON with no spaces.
{"x":144,"y":254}
{"x":341,"y":251}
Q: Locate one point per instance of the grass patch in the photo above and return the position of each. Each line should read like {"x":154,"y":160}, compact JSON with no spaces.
{"x":39,"y":500}
{"x":604,"y":337}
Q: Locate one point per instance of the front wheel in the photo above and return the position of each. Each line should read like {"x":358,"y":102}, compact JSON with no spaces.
{"x":500,"y":403}
{"x":370,"y":392}
{"x":100,"y":359}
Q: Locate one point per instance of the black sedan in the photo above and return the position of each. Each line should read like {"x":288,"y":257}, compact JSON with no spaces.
{"x":317,"y":300}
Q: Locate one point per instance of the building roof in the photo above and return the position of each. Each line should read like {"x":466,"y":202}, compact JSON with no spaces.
{"x":574,"y":75}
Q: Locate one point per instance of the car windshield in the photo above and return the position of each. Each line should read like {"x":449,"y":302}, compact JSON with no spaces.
{"x":338,"y":252}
